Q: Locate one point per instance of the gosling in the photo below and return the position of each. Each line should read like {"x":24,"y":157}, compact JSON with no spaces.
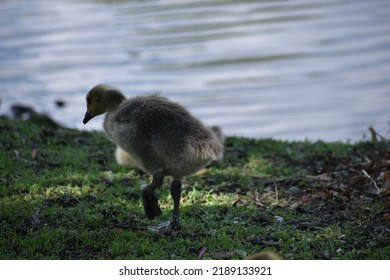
{"x":161,"y":137}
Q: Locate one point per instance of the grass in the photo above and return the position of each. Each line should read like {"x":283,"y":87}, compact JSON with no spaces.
{"x":62,"y":196}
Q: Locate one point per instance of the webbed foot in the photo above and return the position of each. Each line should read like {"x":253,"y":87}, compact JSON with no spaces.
{"x":166,"y":227}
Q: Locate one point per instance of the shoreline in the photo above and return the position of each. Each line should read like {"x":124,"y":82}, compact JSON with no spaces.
{"x":64,"y":197}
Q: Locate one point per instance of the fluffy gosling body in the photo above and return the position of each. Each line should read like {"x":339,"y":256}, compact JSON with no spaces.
{"x":160,"y":136}
{"x":123,"y":158}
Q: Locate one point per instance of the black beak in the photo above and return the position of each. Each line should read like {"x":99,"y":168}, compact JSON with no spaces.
{"x":87,"y":117}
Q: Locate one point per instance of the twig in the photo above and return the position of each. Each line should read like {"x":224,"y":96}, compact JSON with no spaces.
{"x":372,"y":180}
{"x":388,"y":123}
{"x":289,"y":181}
{"x":374,"y":134}
{"x":295,"y":179}
{"x":276,"y":192}
{"x":131,"y":227}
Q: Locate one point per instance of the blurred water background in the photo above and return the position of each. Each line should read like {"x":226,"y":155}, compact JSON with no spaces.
{"x":292,"y":70}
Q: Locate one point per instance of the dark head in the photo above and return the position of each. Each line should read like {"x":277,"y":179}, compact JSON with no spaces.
{"x":101,"y":99}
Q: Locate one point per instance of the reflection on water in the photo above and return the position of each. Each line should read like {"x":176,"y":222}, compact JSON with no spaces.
{"x":283,"y":69}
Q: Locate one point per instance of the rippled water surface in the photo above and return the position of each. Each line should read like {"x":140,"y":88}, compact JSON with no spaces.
{"x":284,"y":69}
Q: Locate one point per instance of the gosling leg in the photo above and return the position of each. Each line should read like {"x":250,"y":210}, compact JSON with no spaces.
{"x":149,"y":199}
{"x":174,"y":223}
{"x":176,"y":194}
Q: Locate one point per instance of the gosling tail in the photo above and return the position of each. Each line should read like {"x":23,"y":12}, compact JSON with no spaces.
{"x":208,"y":150}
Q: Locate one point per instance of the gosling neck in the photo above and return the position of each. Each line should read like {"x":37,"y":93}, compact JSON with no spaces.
{"x":115,"y":98}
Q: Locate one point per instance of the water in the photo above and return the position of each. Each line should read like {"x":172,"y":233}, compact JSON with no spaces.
{"x":283,"y":69}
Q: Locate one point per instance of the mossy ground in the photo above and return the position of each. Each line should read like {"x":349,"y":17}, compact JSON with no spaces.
{"x":62,"y":196}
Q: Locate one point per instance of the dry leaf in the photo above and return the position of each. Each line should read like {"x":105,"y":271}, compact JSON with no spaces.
{"x":34,"y":154}
{"x":201,"y":252}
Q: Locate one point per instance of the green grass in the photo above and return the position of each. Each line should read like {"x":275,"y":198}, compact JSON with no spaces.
{"x":62,"y":196}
